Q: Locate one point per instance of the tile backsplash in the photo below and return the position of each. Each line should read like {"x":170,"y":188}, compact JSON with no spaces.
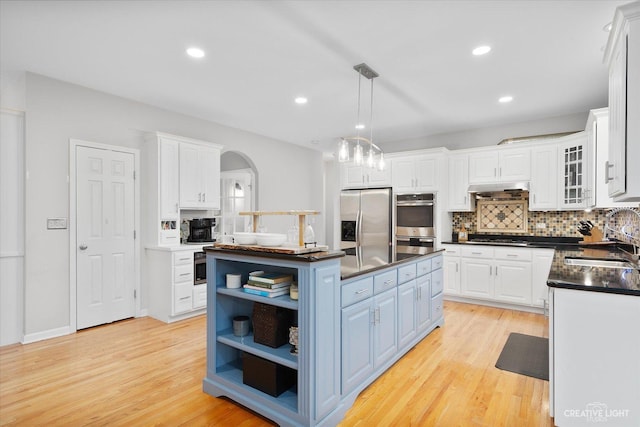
{"x":557,"y":223}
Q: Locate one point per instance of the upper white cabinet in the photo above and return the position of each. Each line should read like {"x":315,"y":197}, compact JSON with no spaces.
{"x":353,"y":176}
{"x":459,"y":197}
{"x":160,"y":181}
{"x":623,"y":56}
{"x":199,"y":176}
{"x":543,"y":193}
{"x":575,"y":170}
{"x":415,"y":173}
{"x":500,"y":165}
{"x":598,"y":137}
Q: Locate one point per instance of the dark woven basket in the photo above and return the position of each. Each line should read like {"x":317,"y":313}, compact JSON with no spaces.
{"x":271,"y":324}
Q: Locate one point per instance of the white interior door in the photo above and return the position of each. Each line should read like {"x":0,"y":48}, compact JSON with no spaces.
{"x":105,"y":223}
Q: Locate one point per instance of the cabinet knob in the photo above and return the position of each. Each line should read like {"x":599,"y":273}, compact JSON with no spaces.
{"x":83,"y":247}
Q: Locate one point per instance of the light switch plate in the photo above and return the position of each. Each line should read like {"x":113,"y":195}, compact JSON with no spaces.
{"x":56,"y":223}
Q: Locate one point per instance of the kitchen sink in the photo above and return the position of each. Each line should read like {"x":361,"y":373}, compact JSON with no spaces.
{"x":588,"y":262}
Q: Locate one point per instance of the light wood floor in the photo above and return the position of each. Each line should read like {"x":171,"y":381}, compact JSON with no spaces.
{"x":145,"y":372}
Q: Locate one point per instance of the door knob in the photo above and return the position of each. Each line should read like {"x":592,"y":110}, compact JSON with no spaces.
{"x":83,"y":247}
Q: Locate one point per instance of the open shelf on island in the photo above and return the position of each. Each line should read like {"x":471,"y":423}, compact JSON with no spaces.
{"x":233,"y":374}
{"x":282,"y":301}
{"x":302,"y":214}
{"x":280,"y":355}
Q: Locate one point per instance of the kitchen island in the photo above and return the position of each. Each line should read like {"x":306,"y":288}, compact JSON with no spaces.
{"x":349,"y":331}
{"x":594,"y":340}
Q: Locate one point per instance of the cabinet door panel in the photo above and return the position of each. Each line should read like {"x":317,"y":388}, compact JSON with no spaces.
{"x":544,"y":178}
{"x":169,"y":180}
{"x":402,"y":175}
{"x":406,"y":313}
{"x":513,"y":282}
{"x":357,"y":344}
{"x":458,"y":197}
{"x":483,"y":167}
{"x":477,"y":278}
{"x":423,"y":303}
{"x":190,"y":189}
{"x":515,"y":165}
{"x":451,"y":275}
{"x":426,"y":173}
{"x":385,"y":330}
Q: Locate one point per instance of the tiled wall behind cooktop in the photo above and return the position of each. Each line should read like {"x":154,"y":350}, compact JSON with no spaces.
{"x":558,"y":224}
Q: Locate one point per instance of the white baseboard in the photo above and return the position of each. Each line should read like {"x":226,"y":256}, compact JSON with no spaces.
{"x":496,"y":304}
{"x":44,"y":335}
{"x":143,"y":313}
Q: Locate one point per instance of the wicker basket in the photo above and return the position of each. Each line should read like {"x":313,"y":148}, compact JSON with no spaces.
{"x":271,"y":324}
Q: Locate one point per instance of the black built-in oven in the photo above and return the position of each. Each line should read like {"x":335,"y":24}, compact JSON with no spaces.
{"x":415,"y":219}
{"x":199,"y":268}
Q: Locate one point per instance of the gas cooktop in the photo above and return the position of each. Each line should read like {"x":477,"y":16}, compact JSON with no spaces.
{"x":508,"y":242}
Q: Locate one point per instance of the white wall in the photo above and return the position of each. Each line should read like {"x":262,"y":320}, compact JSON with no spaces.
{"x":11,"y":226}
{"x":290,"y":176}
{"x":492,"y":135}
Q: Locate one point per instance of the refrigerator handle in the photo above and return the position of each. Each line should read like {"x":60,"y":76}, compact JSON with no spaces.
{"x":359,"y":238}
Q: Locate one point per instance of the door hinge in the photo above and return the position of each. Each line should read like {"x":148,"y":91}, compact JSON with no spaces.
{"x":135,"y":294}
{"x":134,"y":234}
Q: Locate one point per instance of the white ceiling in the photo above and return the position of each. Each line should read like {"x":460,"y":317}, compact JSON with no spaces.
{"x":261,"y":54}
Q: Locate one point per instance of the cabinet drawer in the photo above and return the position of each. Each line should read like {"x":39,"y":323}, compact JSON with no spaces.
{"x":451,"y":250}
{"x":384,"y":281}
{"x":169,"y":237}
{"x":357,"y":291}
{"x":436,"y":262}
{"x":437,"y":307}
{"x":477,"y":252}
{"x":200,"y":296}
{"x":406,"y":273}
{"x":423,"y":267}
{"x":514,"y":254}
{"x":437,"y":282}
{"x":182,"y":298}
{"x":183,"y":273}
{"x":182,"y":258}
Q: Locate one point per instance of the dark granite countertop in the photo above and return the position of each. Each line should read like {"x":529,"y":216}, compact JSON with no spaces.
{"x":309,"y":257}
{"x":372,"y":260}
{"x":599,"y":279}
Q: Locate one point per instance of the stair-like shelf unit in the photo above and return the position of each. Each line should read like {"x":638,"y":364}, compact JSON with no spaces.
{"x":302,"y":215}
{"x":317,"y":389}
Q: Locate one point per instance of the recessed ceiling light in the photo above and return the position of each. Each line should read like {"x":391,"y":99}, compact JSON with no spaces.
{"x":195,"y":52}
{"x":481,"y":50}
{"x":301,"y":100}
{"x":505,"y":99}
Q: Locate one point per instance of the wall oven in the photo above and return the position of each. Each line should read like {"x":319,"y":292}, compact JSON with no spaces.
{"x":199,"y":268}
{"x":415,"y":219}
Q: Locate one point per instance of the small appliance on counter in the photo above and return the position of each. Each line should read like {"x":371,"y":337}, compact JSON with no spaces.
{"x":200,"y":230}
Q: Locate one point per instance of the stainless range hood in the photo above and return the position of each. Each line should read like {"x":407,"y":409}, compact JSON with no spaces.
{"x":499,"y":186}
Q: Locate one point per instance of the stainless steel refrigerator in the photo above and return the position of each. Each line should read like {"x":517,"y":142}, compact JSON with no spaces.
{"x":365,"y":228}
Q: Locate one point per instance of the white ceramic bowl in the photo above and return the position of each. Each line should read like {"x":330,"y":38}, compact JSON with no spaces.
{"x":271,"y":239}
{"x":245,"y":238}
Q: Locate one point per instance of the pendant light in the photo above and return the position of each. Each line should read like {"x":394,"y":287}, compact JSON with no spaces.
{"x":365,"y":152}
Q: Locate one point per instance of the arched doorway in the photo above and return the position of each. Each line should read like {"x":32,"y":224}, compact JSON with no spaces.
{"x":238,"y":192}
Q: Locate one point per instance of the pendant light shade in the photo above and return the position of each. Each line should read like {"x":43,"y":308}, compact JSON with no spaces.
{"x":365,"y":152}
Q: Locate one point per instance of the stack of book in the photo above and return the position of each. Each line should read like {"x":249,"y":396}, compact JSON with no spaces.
{"x":268,"y":284}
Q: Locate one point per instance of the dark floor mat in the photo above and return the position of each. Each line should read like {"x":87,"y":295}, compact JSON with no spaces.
{"x":526,"y":355}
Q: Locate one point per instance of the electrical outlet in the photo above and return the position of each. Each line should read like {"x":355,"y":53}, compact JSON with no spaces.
{"x":541,"y":225}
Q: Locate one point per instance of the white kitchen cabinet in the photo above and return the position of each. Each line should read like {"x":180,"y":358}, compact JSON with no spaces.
{"x":512,"y":276}
{"x":415,"y":173}
{"x":543,"y":193}
{"x":459,"y":198}
{"x":541,"y":259}
{"x":172,"y":294}
{"x":499,"y":165}
{"x":597,"y":130}
{"x":161,"y":197}
{"x":199,"y":176}
{"x":623,"y":56}
{"x":575,"y":170}
{"x":353,"y":176}
{"x":494,"y":273}
{"x":594,"y":358}
{"x":452,"y":269}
